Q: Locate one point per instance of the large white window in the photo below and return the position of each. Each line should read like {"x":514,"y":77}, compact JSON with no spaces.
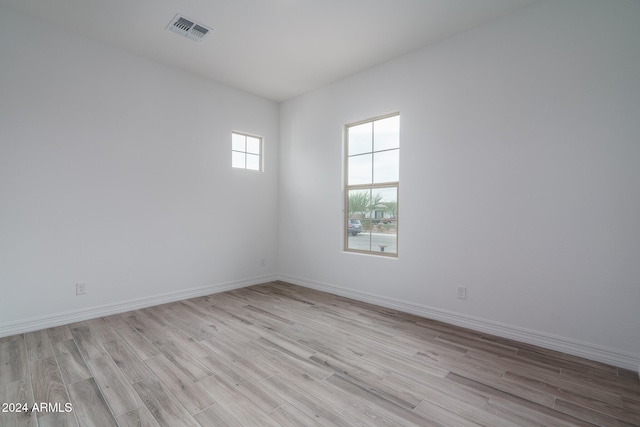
{"x":372,"y":178}
{"x":246,"y":151}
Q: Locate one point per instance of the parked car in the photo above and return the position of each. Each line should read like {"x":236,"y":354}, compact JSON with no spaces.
{"x":354,"y":226}
{"x":381,"y":220}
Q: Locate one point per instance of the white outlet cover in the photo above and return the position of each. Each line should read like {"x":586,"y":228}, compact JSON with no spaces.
{"x":81,"y":288}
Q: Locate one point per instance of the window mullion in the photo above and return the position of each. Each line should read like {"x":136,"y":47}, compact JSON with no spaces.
{"x":246,"y":165}
{"x":372,"y":156}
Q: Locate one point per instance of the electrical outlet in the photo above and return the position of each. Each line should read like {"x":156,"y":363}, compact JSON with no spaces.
{"x":462,"y":292}
{"x":81,"y":288}
{"x":263,"y":262}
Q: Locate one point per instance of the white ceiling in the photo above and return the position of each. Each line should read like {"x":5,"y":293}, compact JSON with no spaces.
{"x":276,"y":49}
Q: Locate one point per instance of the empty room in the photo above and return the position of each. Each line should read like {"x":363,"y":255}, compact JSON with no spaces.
{"x":305,"y":212}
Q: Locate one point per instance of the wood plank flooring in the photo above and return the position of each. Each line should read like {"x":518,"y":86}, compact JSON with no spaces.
{"x":281,"y":355}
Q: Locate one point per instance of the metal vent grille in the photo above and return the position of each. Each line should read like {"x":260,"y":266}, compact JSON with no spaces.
{"x":188,"y":28}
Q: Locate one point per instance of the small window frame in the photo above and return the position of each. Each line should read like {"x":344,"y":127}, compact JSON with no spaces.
{"x":240,"y":158}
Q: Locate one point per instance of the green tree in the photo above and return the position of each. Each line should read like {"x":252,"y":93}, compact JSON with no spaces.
{"x":375,"y":203}
{"x":362,"y":202}
{"x":358,"y":203}
{"x":392,"y":208}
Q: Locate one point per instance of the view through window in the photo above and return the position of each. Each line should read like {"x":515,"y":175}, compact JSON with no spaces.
{"x":372,"y":183}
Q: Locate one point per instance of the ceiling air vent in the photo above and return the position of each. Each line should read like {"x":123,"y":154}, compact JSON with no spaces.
{"x":188,"y":28}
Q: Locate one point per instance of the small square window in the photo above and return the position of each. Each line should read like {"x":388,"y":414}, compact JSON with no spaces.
{"x":246,"y":151}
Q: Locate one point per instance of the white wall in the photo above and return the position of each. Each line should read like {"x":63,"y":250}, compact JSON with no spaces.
{"x":519,"y":179}
{"x":115,"y":171}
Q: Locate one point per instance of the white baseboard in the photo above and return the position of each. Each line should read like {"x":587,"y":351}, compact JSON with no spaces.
{"x":65,"y":318}
{"x":589,"y":351}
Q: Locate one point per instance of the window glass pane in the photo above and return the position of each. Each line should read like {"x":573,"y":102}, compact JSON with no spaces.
{"x":253,"y":145}
{"x":358,"y":203}
{"x":253,"y":162}
{"x":360,"y":240}
{"x":385,"y":166}
{"x":360,"y":139}
{"x":388,"y":201}
{"x":360,"y":169}
{"x":237,"y":142}
{"x":237,"y":159}
{"x":386,"y":133}
{"x":384,"y":228}
{"x":358,"y":227}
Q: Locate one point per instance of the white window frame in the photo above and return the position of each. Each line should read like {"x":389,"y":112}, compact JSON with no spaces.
{"x":371,"y":187}
{"x":245,"y":151}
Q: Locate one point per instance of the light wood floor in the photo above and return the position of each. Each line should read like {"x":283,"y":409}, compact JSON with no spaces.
{"x":278,"y":354}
